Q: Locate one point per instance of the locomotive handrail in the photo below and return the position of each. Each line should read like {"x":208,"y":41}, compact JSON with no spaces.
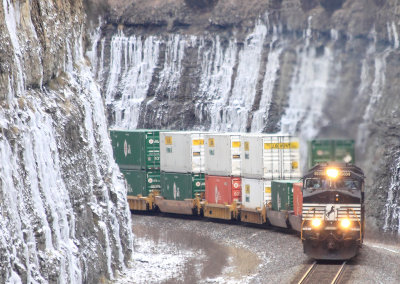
{"x":302,"y":223}
{"x":358,"y":220}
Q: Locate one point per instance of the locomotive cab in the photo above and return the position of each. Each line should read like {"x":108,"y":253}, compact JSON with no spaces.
{"x":333,"y":211}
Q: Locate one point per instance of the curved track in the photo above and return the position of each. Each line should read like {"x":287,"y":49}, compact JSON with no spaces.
{"x":323,"y":272}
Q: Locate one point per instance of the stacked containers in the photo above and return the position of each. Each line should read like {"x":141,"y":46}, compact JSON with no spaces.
{"x":320,"y":151}
{"x":266,"y":157}
{"x":222,"y":167}
{"x":137,"y":154}
{"x":182,"y":164}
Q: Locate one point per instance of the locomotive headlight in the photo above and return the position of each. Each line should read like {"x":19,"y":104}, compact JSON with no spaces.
{"x":316,"y":223}
{"x":345,"y":223}
{"x":333,"y":173}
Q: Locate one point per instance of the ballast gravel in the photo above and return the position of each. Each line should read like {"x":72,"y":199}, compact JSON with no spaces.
{"x":186,"y":250}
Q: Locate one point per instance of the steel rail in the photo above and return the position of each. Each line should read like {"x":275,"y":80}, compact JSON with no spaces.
{"x":338,"y":274}
{"x":305,"y":276}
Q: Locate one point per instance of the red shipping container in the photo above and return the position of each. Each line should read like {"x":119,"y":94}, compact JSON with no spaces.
{"x":221,"y":190}
{"x":297,"y":198}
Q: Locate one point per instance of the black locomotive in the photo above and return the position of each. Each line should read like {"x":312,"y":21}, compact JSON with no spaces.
{"x":333,"y":211}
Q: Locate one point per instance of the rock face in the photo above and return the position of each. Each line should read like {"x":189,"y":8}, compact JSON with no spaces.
{"x":314,"y":68}
{"x":63,"y":212}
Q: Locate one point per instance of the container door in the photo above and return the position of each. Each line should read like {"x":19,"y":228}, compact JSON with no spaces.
{"x":267,"y":192}
{"x":153,"y":181}
{"x":198,"y":185}
{"x":271,"y":156}
{"x":236,"y":189}
{"x":289,"y":189}
{"x":198,"y":153}
{"x":152,"y":150}
{"x":235,"y":155}
{"x":289,"y":157}
{"x":276,"y":201}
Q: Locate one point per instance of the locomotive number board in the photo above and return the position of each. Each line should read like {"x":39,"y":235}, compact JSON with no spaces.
{"x":340,"y":173}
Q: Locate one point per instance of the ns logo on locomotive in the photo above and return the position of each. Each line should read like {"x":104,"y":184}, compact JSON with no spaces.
{"x":333,"y":211}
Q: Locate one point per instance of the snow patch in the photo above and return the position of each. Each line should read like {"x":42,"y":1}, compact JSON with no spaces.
{"x":155,"y":262}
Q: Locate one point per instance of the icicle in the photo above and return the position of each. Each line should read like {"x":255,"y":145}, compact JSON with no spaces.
{"x":215,"y":84}
{"x":392,"y":212}
{"x":272,"y":67}
{"x":131,"y":82}
{"x":235,"y":114}
{"x":11,"y":16}
{"x":309,"y":89}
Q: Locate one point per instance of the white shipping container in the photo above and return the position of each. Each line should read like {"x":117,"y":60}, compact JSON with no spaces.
{"x":222,"y":154}
{"x":182,"y":152}
{"x":255,"y":192}
{"x":270,"y":156}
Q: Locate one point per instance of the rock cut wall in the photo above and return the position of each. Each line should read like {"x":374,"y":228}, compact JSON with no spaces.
{"x":63,"y":211}
{"x":325,"y":69}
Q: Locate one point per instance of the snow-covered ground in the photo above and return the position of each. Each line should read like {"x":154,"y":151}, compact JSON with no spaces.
{"x":169,"y":250}
{"x":172,"y":250}
{"x":155,"y":262}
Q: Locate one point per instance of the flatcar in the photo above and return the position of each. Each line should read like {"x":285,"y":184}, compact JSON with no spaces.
{"x":333,"y":211}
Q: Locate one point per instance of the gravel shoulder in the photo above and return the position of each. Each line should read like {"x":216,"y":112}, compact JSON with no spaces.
{"x":175,"y":250}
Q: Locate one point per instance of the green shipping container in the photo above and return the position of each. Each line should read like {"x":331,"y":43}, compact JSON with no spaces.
{"x":142,"y":182}
{"x":282,"y":194}
{"x":179,"y":186}
{"x":137,"y":149}
{"x":321,"y":151}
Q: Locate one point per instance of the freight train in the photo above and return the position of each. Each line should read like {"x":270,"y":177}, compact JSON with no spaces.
{"x":248,"y":178}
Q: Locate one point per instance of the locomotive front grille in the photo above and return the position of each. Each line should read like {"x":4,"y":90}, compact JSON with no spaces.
{"x":332,"y":212}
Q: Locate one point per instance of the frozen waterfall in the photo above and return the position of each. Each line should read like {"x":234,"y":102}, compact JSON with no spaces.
{"x":59,"y":185}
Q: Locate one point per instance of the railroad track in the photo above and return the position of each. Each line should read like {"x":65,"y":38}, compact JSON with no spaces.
{"x":323,"y":273}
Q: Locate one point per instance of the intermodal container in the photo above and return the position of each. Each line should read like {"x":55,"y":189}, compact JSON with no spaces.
{"x":255,"y":192}
{"x":223,"y":190}
{"x":181,"y":186}
{"x":321,"y":151}
{"x":297,"y":198}
{"x":136,"y":149}
{"x":282,"y":194}
{"x":222,"y":154}
{"x":270,"y":156}
{"x":182,"y":152}
{"x":141,"y":182}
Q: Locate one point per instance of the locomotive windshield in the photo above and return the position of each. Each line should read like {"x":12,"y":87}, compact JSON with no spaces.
{"x":321,"y":190}
{"x":329,"y":184}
